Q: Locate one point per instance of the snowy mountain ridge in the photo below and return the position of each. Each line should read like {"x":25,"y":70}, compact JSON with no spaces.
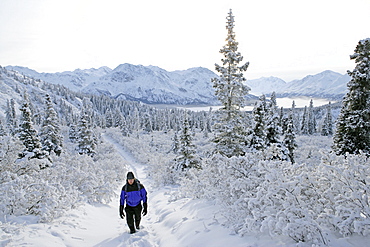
{"x":151,"y":84}
{"x":327,"y":84}
{"x":148,"y":84}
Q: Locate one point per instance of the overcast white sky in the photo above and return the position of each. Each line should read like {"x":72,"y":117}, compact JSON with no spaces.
{"x":287,"y":38}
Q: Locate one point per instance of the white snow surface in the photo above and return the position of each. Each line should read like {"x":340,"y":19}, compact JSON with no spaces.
{"x":183,"y":222}
{"x":170,"y":222}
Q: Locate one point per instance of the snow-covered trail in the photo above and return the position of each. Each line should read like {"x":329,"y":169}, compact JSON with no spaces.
{"x":147,"y":236}
{"x":169,"y":223}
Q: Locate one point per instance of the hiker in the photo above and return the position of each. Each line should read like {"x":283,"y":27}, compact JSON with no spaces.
{"x":133,"y":192}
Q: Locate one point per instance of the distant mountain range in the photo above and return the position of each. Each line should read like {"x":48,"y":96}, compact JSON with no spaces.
{"x":327,"y":84}
{"x":150,"y":84}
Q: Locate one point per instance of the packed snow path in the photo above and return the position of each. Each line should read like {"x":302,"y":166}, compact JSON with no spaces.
{"x":167,"y":223}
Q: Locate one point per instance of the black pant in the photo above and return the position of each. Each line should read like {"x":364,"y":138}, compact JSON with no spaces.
{"x":133,"y":216}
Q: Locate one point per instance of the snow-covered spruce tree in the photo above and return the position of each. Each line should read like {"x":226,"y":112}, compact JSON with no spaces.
{"x":311,"y":119}
{"x":231,"y":92}
{"x":28,"y":134}
{"x":353,"y":124}
{"x":134,"y":122}
{"x":85,"y":140}
{"x":282,"y":120}
{"x":124,"y":127}
{"x":273,"y":128}
{"x":289,"y":138}
{"x":186,"y":158}
{"x":304,"y":125}
{"x":72,"y":133}
{"x":51,"y":139}
{"x":88,"y":111}
{"x":175,"y":144}
{"x":327,"y":126}
{"x":258,"y":136}
{"x":147,"y":122}
{"x":118,"y":119}
{"x":2,"y":130}
{"x":11,"y":119}
{"x":109,"y":118}
{"x":295,"y":119}
{"x":208,"y":125}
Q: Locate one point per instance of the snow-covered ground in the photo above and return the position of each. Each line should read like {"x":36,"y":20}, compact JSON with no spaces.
{"x":182,"y":222}
{"x":170,"y":222}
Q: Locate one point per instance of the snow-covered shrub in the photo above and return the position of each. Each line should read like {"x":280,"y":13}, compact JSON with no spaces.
{"x":70,"y":180}
{"x":310,"y":148}
{"x":10,"y":147}
{"x":346,"y":191}
{"x":302,"y":201}
{"x":25,"y":194}
{"x":273,"y":197}
{"x":284,"y":202}
{"x":12,"y":194}
{"x":226,"y":180}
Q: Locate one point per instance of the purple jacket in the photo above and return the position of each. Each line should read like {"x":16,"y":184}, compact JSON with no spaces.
{"x":133,"y":194}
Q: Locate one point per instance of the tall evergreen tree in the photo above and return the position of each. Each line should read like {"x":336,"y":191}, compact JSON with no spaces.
{"x":187,"y":153}
{"x":283,"y":119}
{"x":311,"y":119}
{"x":50,"y":136}
{"x":124,"y":127}
{"x":10,"y":116}
{"x":353,"y":124}
{"x":28,"y":134}
{"x":2,"y":130}
{"x":135,"y":120}
{"x":72,"y":134}
{"x":295,"y":119}
{"x":327,"y":126}
{"x":304,"y":125}
{"x":258,"y":137}
{"x":147,"y":122}
{"x":289,"y":137}
{"x":86,"y":139}
{"x":208,"y":125}
{"x":273,"y":127}
{"x":118,"y":119}
{"x":175,"y":144}
{"x":109,"y":118}
{"x":231,"y":92}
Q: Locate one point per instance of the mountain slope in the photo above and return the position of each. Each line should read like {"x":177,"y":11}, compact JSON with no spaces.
{"x":148,"y":84}
{"x":74,"y":80}
{"x":265,"y":85}
{"x":327,"y":84}
{"x":13,"y":85}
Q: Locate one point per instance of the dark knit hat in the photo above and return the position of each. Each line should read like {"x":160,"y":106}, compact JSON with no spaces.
{"x":130,"y":175}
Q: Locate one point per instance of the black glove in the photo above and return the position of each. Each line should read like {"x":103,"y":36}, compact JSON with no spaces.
{"x":121,"y":214}
{"x":145,"y":211}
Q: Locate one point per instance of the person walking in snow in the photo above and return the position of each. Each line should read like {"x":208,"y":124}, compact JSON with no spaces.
{"x":133,"y":192}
